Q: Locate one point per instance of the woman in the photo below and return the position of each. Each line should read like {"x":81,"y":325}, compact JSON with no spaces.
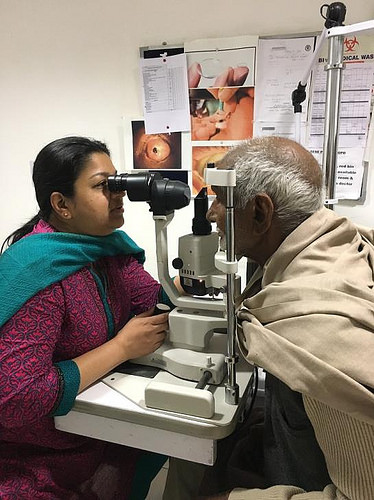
{"x":76,"y":302}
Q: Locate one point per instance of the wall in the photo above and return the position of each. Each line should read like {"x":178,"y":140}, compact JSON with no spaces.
{"x":71,"y":67}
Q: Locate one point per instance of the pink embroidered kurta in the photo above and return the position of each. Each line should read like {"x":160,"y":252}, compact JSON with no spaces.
{"x":59,"y":323}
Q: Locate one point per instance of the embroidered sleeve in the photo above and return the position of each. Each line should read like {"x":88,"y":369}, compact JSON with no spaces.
{"x":31,"y":385}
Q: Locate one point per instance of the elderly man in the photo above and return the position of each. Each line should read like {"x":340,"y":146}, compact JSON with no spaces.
{"x":307,"y":318}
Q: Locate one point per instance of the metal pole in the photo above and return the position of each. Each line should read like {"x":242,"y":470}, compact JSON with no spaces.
{"x":334,"y":68}
{"x":231,"y":387}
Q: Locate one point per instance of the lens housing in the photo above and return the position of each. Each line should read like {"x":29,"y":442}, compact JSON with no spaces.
{"x":162,"y":194}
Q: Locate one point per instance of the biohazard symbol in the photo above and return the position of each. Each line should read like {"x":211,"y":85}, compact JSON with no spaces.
{"x":350,"y":44}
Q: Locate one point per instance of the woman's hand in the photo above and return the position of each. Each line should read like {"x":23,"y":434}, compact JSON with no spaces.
{"x":142,"y":335}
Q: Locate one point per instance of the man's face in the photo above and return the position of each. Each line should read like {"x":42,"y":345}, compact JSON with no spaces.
{"x":216,"y":214}
{"x":242,"y":227}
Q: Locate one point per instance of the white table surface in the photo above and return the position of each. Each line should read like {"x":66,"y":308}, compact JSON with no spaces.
{"x":103,"y":412}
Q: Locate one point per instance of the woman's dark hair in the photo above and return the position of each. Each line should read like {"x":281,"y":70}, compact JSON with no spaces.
{"x":56,"y":168}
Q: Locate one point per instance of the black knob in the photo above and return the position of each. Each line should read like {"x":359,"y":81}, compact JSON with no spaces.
{"x":177,"y":263}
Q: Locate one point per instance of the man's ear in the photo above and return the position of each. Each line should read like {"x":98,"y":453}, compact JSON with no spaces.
{"x":263,"y":211}
{"x":60,"y":206}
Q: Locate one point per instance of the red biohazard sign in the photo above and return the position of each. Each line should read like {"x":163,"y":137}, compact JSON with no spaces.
{"x":350,"y":44}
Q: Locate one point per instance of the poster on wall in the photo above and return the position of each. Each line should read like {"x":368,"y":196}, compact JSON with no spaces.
{"x":355,"y":106}
{"x":155,"y":151}
{"x":221,"y":82}
{"x":224,"y":114}
{"x":164,"y":92}
{"x":201,"y":157}
{"x":163,"y":151}
{"x":282,"y":63}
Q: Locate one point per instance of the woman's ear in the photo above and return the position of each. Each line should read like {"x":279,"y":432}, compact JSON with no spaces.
{"x":60,"y":206}
{"x":263,"y":211}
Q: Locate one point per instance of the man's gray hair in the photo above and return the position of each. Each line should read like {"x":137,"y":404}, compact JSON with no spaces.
{"x":282,"y":169}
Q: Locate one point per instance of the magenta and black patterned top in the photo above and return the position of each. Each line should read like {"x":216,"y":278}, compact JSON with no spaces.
{"x":59,"y":323}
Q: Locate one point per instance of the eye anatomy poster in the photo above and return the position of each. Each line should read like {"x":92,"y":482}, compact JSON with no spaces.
{"x":162,"y":152}
{"x":155,"y":151}
{"x":221,"y":82}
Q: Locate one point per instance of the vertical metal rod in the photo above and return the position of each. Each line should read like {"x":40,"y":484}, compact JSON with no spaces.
{"x":231,"y":387}
{"x":334,"y":69}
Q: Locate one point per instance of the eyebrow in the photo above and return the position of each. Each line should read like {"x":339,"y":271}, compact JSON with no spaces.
{"x":103,"y":174}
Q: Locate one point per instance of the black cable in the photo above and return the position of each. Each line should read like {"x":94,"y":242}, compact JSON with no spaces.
{"x":251,"y":396}
{"x":253,"y":391}
{"x":204,"y":380}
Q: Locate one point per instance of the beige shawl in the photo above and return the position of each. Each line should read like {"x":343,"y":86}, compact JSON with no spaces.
{"x":312,"y":326}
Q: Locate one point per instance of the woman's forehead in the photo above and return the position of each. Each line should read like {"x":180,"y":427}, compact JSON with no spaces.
{"x":98,"y":162}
